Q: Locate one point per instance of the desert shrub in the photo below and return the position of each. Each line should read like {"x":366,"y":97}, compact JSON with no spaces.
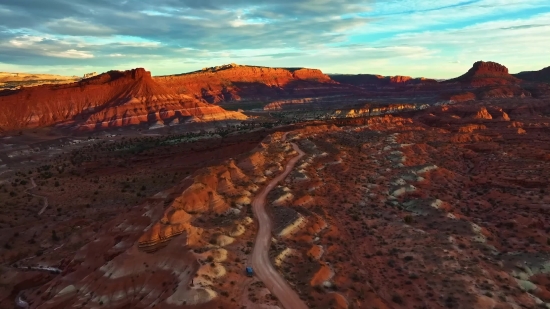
{"x":408,"y":219}
{"x":408,"y":258}
{"x":54,"y":236}
{"x":397,"y":299}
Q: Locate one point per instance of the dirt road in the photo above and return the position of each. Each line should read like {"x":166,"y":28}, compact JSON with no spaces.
{"x":39,"y":196}
{"x":263,"y":268}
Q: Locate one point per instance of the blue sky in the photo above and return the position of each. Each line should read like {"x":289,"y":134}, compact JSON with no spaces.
{"x":438,"y":39}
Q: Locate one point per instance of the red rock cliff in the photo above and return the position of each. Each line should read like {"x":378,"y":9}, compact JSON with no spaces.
{"x":114,"y":98}
{"x":235,"y":82}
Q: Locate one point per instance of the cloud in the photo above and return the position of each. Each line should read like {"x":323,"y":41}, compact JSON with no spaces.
{"x":172,"y":36}
{"x":71,"y":53}
{"x":71,"y":26}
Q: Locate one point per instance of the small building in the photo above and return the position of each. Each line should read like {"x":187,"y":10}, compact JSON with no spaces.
{"x":249,"y":271}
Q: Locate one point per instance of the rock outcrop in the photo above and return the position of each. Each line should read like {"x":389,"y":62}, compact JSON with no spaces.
{"x":490,"y":80}
{"x":486,"y":73}
{"x":483,"y":114}
{"x":236,"y":82}
{"x":462,"y":97}
{"x":110,"y":99}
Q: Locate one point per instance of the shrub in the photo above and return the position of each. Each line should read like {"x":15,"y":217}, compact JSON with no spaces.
{"x":408,"y":258}
{"x":397,"y":299}
{"x":408,"y":219}
{"x":54,"y":236}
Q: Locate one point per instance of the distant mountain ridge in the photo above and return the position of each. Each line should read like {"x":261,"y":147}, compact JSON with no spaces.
{"x":542,"y":75}
{"x":491,"y":80}
{"x":372,"y":80}
{"x":486,"y":73}
{"x":120,"y":98}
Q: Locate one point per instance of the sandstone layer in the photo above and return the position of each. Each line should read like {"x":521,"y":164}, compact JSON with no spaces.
{"x":237,"y":82}
{"x":111,"y":99}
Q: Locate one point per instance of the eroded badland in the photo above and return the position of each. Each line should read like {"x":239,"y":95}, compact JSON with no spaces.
{"x":424,"y":194}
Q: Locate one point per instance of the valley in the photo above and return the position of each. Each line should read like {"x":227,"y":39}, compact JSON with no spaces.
{"x":341,"y":192}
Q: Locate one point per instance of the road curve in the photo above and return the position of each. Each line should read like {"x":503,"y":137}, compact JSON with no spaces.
{"x":263,"y":268}
{"x":39,"y":196}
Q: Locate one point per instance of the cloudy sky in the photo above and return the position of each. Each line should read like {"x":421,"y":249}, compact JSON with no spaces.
{"x":429,"y":38}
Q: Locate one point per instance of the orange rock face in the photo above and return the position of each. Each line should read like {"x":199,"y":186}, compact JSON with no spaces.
{"x":111,"y":99}
{"x":233,"y":83}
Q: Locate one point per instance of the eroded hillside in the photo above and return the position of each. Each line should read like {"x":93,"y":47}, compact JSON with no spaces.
{"x":444,"y":210}
{"x":108,"y":100}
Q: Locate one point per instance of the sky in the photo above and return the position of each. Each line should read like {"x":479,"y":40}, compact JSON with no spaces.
{"x":429,"y":38}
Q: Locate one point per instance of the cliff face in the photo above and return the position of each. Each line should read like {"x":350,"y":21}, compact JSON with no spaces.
{"x":111,"y":99}
{"x":234,"y":83}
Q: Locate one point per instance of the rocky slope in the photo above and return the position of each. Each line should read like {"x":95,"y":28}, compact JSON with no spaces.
{"x":249,"y":83}
{"x":441,"y":210}
{"x":183,"y":247}
{"x":542,"y":75}
{"x":111,"y":99}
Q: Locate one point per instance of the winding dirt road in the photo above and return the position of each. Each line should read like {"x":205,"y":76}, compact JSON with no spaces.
{"x":263,"y":268}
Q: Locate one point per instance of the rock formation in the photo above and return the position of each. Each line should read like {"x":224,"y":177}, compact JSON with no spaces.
{"x":236,"y":82}
{"x":490,"y":80}
{"x":486,"y":73}
{"x":110,"y":99}
{"x":483,"y":114}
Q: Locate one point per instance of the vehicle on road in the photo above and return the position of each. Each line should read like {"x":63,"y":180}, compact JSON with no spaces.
{"x":249,"y":271}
